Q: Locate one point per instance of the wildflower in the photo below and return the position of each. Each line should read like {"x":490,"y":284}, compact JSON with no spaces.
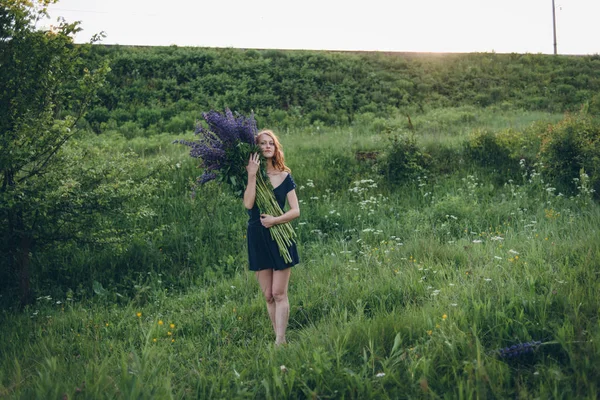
{"x":444,"y":316}
{"x":380,"y":374}
{"x":172,"y":326}
{"x":172,"y":340}
{"x":518,"y":349}
{"x":169,"y":333}
{"x":107,"y":324}
{"x":160,"y":322}
{"x":429,"y":332}
{"x":139,"y":314}
{"x":283,"y":368}
{"x":154,"y":340}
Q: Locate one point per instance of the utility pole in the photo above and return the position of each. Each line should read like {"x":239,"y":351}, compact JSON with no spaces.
{"x":554,"y":25}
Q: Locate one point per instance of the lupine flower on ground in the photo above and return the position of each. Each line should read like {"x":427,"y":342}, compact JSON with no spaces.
{"x":517,"y":350}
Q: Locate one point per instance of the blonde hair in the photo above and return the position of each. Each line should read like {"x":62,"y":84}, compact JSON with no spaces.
{"x":278,"y":157}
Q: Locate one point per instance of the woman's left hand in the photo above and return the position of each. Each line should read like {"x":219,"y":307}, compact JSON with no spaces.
{"x":267,"y":220}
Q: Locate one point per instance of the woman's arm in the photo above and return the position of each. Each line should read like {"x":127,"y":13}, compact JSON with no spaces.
{"x":250,"y":192}
{"x":291,"y":214}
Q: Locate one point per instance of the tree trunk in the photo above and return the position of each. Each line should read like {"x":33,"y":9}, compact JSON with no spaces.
{"x":23,"y":269}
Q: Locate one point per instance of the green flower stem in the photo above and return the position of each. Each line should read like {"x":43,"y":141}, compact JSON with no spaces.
{"x":284,"y":233}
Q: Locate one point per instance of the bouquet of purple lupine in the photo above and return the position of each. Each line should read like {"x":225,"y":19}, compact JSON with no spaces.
{"x":224,"y":149}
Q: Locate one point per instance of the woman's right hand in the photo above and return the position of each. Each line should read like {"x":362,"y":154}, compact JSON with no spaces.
{"x":253,"y":164}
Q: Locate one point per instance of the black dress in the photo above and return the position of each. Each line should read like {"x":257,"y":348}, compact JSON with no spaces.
{"x":263,"y":252}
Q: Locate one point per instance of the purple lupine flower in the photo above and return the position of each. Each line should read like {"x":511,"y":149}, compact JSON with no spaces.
{"x":248,"y":129}
{"x":206,"y":177}
{"x":518,"y":349}
{"x":223,"y":133}
{"x":223,"y":126}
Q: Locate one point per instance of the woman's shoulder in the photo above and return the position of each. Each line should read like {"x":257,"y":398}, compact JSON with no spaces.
{"x":285,"y":175}
{"x":288,"y":178}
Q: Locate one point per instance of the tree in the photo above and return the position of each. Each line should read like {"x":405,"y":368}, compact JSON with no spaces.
{"x":45,"y":89}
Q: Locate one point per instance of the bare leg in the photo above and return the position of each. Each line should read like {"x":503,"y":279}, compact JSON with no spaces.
{"x":265,"y":280}
{"x":282,"y":305}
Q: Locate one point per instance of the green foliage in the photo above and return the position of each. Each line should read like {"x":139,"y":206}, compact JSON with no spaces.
{"x":570,"y":150}
{"x":46,"y":88}
{"x":403,"y":160}
{"x":487,"y":150}
{"x":403,"y":291}
{"x":288,"y":89}
{"x":402,"y":309}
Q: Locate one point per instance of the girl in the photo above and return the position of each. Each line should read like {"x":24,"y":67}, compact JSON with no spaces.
{"x":272,"y":272}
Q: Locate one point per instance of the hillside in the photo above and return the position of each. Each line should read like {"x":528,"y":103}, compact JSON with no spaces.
{"x":163,"y":89}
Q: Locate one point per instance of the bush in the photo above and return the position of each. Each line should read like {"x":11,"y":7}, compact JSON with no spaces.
{"x":486,"y":150}
{"x":148,"y":116}
{"x":403,"y":160}
{"x":569,"y":148}
{"x":594,"y":105}
{"x":180,"y":123}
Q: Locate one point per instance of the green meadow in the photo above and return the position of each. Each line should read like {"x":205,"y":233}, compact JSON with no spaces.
{"x":407,"y":288}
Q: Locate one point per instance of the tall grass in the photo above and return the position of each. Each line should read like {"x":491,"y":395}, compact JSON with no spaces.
{"x":403,"y":292}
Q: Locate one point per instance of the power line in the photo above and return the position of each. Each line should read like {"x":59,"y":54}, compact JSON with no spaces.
{"x":103,"y":12}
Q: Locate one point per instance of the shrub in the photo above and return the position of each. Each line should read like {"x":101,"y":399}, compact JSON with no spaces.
{"x":180,"y":123}
{"x":594,"y":105}
{"x":570,"y":147}
{"x":148,"y":116}
{"x":402,"y":160}
{"x":486,"y":150}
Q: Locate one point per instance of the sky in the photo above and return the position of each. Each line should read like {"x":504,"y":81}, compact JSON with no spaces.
{"x":456,"y":26}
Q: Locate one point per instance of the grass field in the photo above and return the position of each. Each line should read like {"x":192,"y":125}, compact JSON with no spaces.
{"x":404,"y":291}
